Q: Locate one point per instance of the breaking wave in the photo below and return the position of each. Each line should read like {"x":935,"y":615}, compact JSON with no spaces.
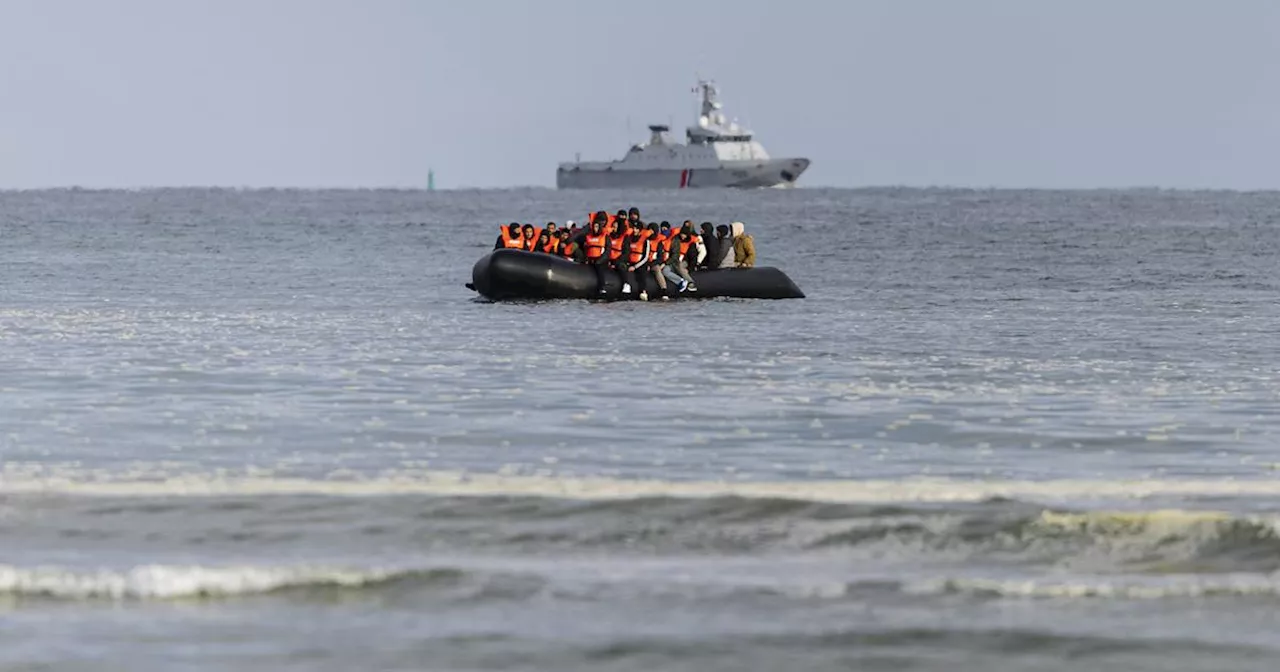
{"x":170,"y":582}
{"x":15,"y":479}
{"x":177,"y":582}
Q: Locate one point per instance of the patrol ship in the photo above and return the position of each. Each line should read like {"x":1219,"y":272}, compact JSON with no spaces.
{"x":719,"y":153}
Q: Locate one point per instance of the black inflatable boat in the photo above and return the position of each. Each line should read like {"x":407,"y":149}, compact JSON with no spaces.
{"x":517,"y":274}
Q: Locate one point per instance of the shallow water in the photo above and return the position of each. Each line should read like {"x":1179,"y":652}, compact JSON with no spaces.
{"x":1006,"y":430}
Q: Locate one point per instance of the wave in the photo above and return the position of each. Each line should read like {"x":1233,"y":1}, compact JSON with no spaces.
{"x":194,"y":582}
{"x":1128,"y":588}
{"x":171,"y":582}
{"x":876,"y":523}
{"x":442,"y":483}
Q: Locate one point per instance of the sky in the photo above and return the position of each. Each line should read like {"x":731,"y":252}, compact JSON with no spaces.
{"x":495,"y":93}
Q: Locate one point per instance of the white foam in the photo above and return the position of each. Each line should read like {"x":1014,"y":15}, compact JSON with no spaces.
{"x":441,"y":483}
{"x":174,"y":581}
{"x":1136,"y":588}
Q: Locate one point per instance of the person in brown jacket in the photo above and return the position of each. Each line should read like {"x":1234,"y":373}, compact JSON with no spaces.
{"x":744,"y":246}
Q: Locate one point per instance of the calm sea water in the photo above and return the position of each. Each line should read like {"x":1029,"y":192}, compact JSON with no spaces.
{"x":272,"y":430}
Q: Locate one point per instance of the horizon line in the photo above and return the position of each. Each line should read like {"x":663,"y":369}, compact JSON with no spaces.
{"x":815,"y":187}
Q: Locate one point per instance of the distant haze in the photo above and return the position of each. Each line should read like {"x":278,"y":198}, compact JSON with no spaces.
{"x":318,"y":93}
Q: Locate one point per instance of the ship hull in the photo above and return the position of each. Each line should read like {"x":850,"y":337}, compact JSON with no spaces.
{"x":504,"y":275}
{"x":728,"y":175}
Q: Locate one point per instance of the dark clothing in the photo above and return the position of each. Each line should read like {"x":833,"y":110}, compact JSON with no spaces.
{"x":714,"y":250}
{"x":626,"y":274}
{"x":600,"y":266}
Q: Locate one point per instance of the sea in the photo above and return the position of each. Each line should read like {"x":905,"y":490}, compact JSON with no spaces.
{"x":272,"y":430}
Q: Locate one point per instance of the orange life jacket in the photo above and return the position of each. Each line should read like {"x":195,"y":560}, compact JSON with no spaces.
{"x":595,"y":245}
{"x":508,"y":241}
{"x":636,"y":251}
{"x":656,"y":247}
{"x":566,"y":249}
{"x":615,"y":247}
{"x":686,"y":244}
{"x":552,"y":246}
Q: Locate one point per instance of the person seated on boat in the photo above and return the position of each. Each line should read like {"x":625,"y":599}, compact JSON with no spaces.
{"x":617,"y":243}
{"x":698,"y":251}
{"x":569,"y":249}
{"x":712,"y":246}
{"x":547,"y":243}
{"x":595,"y":246}
{"x":677,"y":267}
{"x":744,"y":246}
{"x":659,"y":248}
{"x":510,"y":236}
{"x":726,"y":248}
{"x":571,"y":225}
{"x":636,"y":262}
{"x":530,"y":237}
{"x":633,"y":216}
{"x":619,"y":221}
{"x":551,"y":227}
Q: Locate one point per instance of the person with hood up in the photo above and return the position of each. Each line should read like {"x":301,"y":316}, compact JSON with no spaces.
{"x":712,"y":244}
{"x":595,"y":249}
{"x":744,"y":246}
{"x":617,"y":252}
{"x":725,"y":243}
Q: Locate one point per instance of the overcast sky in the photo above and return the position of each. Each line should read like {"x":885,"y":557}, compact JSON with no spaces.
{"x":491,"y":93}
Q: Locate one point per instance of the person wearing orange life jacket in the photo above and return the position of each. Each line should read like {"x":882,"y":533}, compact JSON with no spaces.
{"x":637,"y":262}
{"x":510,"y":236}
{"x":595,"y":248}
{"x":677,"y":266}
{"x":611,"y":223}
{"x":569,"y":249}
{"x":547,"y":243}
{"x":530,"y":237}
{"x":699,"y":251}
{"x":659,"y":247}
{"x":617,"y":244}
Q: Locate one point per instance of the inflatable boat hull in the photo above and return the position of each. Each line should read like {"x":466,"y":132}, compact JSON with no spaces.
{"x":517,"y":274}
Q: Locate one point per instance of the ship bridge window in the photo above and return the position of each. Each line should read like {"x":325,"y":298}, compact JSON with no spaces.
{"x":731,"y":138}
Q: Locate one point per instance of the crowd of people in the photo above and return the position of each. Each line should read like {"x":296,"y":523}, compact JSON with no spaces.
{"x":625,"y":244}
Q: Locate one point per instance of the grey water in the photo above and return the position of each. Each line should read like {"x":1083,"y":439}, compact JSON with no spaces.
{"x":1006,"y":430}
